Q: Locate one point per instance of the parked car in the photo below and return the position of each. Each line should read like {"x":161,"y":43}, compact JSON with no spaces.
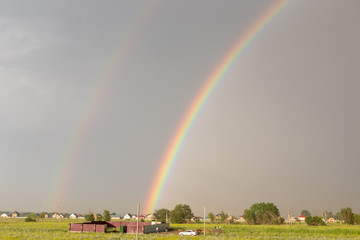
{"x":188,"y":233}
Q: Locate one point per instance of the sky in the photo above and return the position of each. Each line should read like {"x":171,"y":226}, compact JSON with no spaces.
{"x":92,"y":92}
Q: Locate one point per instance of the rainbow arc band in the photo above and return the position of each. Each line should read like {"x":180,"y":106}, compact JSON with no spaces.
{"x":96,"y":95}
{"x":215,"y":77}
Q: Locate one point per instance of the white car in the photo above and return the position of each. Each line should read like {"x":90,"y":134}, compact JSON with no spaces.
{"x":188,"y":233}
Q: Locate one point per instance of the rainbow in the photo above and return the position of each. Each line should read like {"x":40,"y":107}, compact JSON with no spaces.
{"x":95,"y":96}
{"x":215,"y":77}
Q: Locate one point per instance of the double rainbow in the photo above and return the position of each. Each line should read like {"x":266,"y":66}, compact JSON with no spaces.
{"x":216,"y":76}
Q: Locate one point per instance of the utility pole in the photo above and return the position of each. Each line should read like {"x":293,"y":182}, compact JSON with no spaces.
{"x":137,"y":222}
{"x":228,"y":220}
{"x":204,"y":219}
{"x":325,"y":215}
{"x":58,"y":213}
{"x":290,"y":217}
{"x":167,"y":219}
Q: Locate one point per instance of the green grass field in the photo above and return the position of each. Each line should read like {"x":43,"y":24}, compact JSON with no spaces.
{"x":55,"y":229}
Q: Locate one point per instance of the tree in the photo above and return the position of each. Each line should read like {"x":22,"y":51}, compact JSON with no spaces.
{"x":160,"y":214}
{"x":182,"y":213}
{"x":249,"y":216}
{"x":31,"y":218}
{"x":42,"y":215}
{"x":211,"y":216}
{"x":347,"y":215}
{"x":314,"y":221}
{"x":357,"y":219}
{"x":223,"y":216}
{"x":263,"y":213}
{"x":89,"y":217}
{"x":328,"y":214}
{"x":107,"y":216}
{"x":306,"y":213}
{"x":98,"y":217}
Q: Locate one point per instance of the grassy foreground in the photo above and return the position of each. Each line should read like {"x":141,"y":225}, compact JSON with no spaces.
{"x":55,"y":229}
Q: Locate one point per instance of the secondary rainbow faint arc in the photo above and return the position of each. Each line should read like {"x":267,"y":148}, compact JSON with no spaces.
{"x":68,"y":161}
{"x":210,"y":84}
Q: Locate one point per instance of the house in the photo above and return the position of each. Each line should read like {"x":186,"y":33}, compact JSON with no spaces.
{"x":230,"y":218}
{"x":80,"y":216}
{"x":196,"y":219}
{"x":15,"y":214}
{"x":73,"y":216}
{"x":46,"y":215}
{"x":240,"y":219}
{"x":4,"y":215}
{"x":116,"y":216}
{"x":150,"y":217}
{"x":57,"y":216}
{"x":331,"y":220}
{"x":127,"y":216}
{"x":302,"y":218}
{"x":218,"y":217}
{"x":141,"y":217}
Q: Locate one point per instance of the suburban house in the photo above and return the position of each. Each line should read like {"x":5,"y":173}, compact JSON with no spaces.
{"x":240,"y":219}
{"x":196,"y":219}
{"x":73,"y":216}
{"x":150,"y":217}
{"x":127,"y":216}
{"x":141,"y":217}
{"x":218,"y":217}
{"x":230,"y":218}
{"x":116,"y":216}
{"x":302,"y":218}
{"x":57,"y":216}
{"x":80,"y":216}
{"x":4,"y":215}
{"x":331,"y":220}
{"x":15,"y":214}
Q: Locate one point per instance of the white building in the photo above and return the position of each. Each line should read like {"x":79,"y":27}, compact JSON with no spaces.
{"x":302,"y":218}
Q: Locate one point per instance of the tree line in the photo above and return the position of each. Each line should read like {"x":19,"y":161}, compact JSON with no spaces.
{"x":258,"y":213}
{"x":345,"y":215}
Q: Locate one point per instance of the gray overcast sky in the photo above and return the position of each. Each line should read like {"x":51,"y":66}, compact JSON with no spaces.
{"x":282,"y":126}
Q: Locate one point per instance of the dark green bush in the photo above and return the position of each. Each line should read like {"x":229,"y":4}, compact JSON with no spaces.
{"x":314,"y":221}
{"x":31,"y":218}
